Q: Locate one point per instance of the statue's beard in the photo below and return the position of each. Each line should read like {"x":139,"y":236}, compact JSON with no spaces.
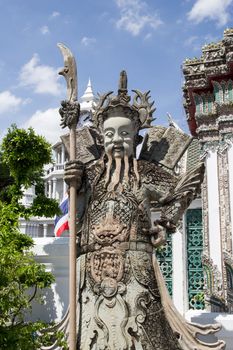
{"x":118,"y":171}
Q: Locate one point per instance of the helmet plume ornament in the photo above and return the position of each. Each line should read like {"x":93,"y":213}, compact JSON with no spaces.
{"x":108,"y":105}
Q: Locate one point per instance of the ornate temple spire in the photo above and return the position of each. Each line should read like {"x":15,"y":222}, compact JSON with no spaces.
{"x":172,"y":123}
{"x":88,"y":98}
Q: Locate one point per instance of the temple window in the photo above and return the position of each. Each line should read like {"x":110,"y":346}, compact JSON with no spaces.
{"x":209,"y":99}
{"x":164,"y":257}
{"x":194,"y":261}
{"x":218,"y":92}
{"x":199,"y":103}
{"x":229,"y":90}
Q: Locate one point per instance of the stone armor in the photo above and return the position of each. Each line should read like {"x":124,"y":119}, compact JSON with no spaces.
{"x":120,"y":301}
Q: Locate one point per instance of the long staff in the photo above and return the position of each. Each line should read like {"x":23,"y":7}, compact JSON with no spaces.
{"x":70,"y":114}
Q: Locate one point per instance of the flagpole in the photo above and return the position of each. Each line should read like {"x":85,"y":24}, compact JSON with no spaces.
{"x":70,"y":114}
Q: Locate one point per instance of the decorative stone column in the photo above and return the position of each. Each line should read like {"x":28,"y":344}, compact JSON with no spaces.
{"x":230,"y":162}
{"x":64,"y":188}
{"x":50,"y":188}
{"x":56,"y":156}
{"x":62,"y":154}
{"x":45,"y":230}
{"x":208,"y":102}
{"x":54,"y":188}
{"x":178,"y":266}
{"x":59,"y":156}
{"x":212,"y":178}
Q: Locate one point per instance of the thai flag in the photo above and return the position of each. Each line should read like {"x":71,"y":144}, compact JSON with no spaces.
{"x":61,"y":222}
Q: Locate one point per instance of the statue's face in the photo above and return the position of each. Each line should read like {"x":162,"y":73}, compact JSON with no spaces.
{"x":119,"y":135}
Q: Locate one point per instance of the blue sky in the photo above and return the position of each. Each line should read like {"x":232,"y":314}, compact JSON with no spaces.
{"x":148,"y":38}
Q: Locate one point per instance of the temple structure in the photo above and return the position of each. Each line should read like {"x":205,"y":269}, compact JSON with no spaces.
{"x":197,"y":261}
{"x":208,"y":95}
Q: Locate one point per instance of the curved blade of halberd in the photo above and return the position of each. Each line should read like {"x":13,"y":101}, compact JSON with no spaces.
{"x":69,"y":72}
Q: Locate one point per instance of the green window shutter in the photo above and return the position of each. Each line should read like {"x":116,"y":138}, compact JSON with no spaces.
{"x":194,"y":258}
{"x":164,"y":257}
{"x":218,"y":93}
{"x":230,"y":92}
{"x":210,"y":103}
{"x":198,"y":103}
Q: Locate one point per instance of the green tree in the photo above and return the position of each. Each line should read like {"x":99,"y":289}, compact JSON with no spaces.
{"x":22,"y":157}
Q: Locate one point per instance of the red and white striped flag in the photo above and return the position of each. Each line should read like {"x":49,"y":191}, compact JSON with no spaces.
{"x":61,"y":222}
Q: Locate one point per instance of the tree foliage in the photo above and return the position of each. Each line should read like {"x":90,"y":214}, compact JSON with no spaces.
{"x":22,"y":157}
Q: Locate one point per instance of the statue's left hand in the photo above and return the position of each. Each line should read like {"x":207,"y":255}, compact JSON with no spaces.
{"x":158,"y":234}
{"x":74,"y":172}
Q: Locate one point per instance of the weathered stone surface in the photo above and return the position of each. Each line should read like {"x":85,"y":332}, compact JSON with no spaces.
{"x":164,"y":146}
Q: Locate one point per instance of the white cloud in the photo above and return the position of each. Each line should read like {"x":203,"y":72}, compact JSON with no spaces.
{"x":209,"y":38}
{"x":191,"y":40}
{"x":148,"y":36}
{"x":47,"y":124}
{"x":216,"y":10}
{"x":55,"y":14}
{"x":42,"y":79}
{"x":88,"y":41}
{"x":44,"y":30}
{"x":26,"y":28}
{"x":9,"y":102}
{"x":179,"y":21}
{"x":135,"y":15}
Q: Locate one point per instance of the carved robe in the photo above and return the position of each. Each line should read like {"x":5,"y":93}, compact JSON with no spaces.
{"x":123,"y":303}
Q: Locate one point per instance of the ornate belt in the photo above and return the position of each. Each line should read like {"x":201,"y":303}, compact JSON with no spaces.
{"x":132,"y":245}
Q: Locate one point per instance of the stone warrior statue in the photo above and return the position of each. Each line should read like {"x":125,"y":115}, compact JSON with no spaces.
{"x":123,"y":303}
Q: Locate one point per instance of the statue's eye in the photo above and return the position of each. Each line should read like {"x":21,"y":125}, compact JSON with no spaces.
{"x":109,"y":134}
{"x":124,"y":133}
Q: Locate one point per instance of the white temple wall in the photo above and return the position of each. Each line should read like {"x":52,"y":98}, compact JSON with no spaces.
{"x":213,"y":209}
{"x":230,"y":168}
{"x":54,"y":253}
{"x":179,"y":267}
